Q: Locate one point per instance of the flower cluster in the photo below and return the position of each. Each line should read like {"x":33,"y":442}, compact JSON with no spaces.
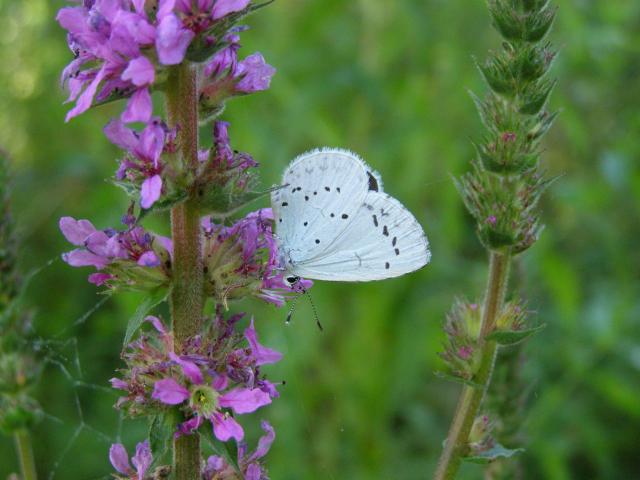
{"x":141,"y":170}
{"x":142,"y":460}
{"x":462,"y":353}
{"x":122,"y":48}
{"x":241,"y":260}
{"x":215,"y":378}
{"x":131,"y":259}
{"x":217,"y":468}
{"x":224,"y":76}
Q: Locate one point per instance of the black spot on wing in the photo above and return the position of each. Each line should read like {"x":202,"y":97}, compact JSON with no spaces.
{"x":373,"y":183}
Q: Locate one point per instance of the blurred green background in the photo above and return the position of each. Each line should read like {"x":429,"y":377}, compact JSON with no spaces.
{"x":389,"y":80}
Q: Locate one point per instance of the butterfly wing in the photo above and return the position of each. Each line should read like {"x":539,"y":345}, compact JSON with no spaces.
{"x":383,"y":240}
{"x":322,"y":192}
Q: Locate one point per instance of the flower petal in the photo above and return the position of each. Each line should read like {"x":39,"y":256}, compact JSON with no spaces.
{"x":76,"y":231}
{"x":172,"y":40}
{"x":225,"y":427}
{"x":119,"y":458}
{"x":254,"y":472}
{"x":255,"y":74}
{"x":139,"y":107}
{"x":140,"y":72}
{"x":262,"y":355}
{"x":150,"y":191}
{"x":244,"y":400}
{"x":142,"y":459}
{"x":169,"y":391}
{"x":264,"y":444}
{"x":82,"y":258}
{"x":120,"y":135}
{"x":149,"y":259}
{"x":190,"y":426}
{"x":99,"y":278}
{"x":190,"y":369}
{"x":119,"y":384}
{"x":225,"y":7}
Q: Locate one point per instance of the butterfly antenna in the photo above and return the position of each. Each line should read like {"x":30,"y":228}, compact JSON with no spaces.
{"x":290,"y":313}
{"x":313,"y":307}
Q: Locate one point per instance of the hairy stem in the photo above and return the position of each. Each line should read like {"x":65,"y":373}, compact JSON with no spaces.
{"x":455,"y":447}
{"x":25,"y":454}
{"x":187,"y":297}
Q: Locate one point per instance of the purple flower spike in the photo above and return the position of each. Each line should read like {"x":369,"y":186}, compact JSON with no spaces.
{"x":244,"y":400}
{"x":255,"y":74}
{"x":262,"y":355}
{"x":225,"y":7}
{"x":119,"y":458}
{"x":142,"y":459}
{"x":169,"y":391}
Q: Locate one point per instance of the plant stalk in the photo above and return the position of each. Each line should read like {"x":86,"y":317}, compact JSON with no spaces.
{"x":456,"y":445}
{"x":25,"y":454}
{"x":187,"y":298}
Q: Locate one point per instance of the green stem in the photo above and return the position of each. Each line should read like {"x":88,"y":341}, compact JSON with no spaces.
{"x":187,"y":298}
{"x":456,"y":445}
{"x":25,"y":454}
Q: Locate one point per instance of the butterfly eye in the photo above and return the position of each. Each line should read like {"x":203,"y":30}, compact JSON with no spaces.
{"x":292,"y":280}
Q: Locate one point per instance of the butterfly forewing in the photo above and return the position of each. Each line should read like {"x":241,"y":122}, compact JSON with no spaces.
{"x":322,"y":191}
{"x":384,"y":240}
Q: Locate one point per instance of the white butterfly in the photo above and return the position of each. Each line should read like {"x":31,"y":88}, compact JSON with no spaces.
{"x":334,"y":222}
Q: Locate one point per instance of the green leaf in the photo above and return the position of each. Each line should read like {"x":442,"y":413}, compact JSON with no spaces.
{"x":498,"y":451}
{"x":220,"y":204}
{"x":161,"y":431}
{"x":511,"y":337}
{"x":154,"y":298}
{"x":456,"y":379}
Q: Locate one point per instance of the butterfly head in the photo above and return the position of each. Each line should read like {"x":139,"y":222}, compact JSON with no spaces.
{"x":292,"y":281}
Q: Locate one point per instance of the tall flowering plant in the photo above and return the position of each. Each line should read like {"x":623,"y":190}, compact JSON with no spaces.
{"x":194,"y":374}
{"x":501,"y":193}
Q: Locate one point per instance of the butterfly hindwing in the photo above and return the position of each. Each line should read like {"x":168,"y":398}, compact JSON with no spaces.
{"x":384,"y":240}
{"x":322,"y":191}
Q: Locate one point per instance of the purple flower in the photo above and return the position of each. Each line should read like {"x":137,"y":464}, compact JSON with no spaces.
{"x":262,"y":354}
{"x":114,"y":251}
{"x":107,"y":39}
{"x":170,"y":392}
{"x":206,"y":401}
{"x":172,"y":38}
{"x":142,"y":166}
{"x":141,"y":460}
{"x":225,"y":7}
{"x":254,"y":74}
{"x":249,"y":463}
{"x":259,"y":271}
{"x":150,"y":191}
